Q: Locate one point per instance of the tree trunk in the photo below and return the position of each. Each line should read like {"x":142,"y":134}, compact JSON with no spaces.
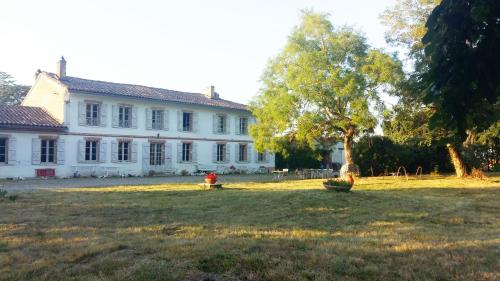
{"x":348,"y":136}
{"x":457,"y":161}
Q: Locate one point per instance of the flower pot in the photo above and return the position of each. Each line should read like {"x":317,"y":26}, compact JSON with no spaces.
{"x":350,"y":179}
{"x":210,"y":181}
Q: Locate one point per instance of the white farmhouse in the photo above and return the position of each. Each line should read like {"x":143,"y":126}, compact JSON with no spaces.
{"x":70,"y":126}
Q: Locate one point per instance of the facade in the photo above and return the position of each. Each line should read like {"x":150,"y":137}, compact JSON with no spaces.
{"x":88,"y":127}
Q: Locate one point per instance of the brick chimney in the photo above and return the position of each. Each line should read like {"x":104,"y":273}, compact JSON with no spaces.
{"x":210,"y":93}
{"x":61,"y":68}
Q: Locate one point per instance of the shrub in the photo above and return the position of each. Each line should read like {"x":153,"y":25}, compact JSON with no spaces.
{"x":3,"y":193}
{"x":342,"y":183}
{"x":184,"y":173}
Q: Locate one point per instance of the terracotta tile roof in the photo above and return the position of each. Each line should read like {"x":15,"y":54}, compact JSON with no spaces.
{"x":144,"y":92}
{"x":27,"y":117}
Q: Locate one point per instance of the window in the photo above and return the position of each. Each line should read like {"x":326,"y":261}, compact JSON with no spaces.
{"x":261,"y":157}
{"x":187,"y":121}
{"x":221,"y":124}
{"x":243,"y":126}
{"x":221,"y":152}
{"x":125,"y":116}
{"x":242,"y":153}
{"x":124,"y":151}
{"x":157,"y":119}
{"x":92,"y":114}
{"x":156,"y":152}
{"x":91,"y":150}
{"x":48,"y":151}
{"x":187,"y":152}
{"x":3,"y":150}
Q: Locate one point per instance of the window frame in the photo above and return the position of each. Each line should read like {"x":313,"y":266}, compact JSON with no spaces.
{"x":91,"y":120}
{"x":156,"y":156}
{"x":125,"y":111}
{"x":261,"y":157}
{"x":6,"y":150}
{"x":46,"y":153}
{"x":122,"y":148}
{"x":243,"y":152}
{"x":96,"y":147}
{"x":187,"y":152}
{"x":157,"y":121}
{"x":189,"y":127}
{"x":243,"y":126}
{"x":221,"y":123}
{"x":220,"y":152}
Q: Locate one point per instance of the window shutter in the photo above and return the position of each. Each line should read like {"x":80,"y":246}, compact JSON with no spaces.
{"x":81,"y":151}
{"x":114,"y":121}
{"x":61,"y":148}
{"x":82,"y":114}
{"x":166,"y":120}
{"x":168,"y":155}
{"x":134,"y":117}
{"x":104,"y":115}
{"x":256,"y":156}
{"x":179,"y":152}
{"x":214,"y":153}
{"x":11,"y":154}
{"x":103,"y":145}
{"x":236,"y":153}
{"x":236,"y":125}
{"x":114,"y":151}
{"x":134,"y":152}
{"x":214,"y":123}
{"x":194,"y":152}
{"x":179,"y":121}
{"x":149,"y":119}
{"x":195,"y":122}
{"x":146,"y":157}
{"x":35,"y":151}
{"x":227,"y":128}
{"x":249,"y":153}
{"x":228,"y":153}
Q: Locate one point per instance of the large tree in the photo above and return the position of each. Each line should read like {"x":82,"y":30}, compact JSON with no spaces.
{"x":11,"y":93}
{"x":462,"y":79}
{"x":323,"y":86}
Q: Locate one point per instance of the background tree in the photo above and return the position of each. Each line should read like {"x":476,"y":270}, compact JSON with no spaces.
{"x":321,"y":87}
{"x":462,"y":80}
{"x":10,"y":92}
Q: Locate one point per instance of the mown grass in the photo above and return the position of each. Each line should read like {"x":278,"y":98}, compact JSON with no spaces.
{"x":434,"y":228}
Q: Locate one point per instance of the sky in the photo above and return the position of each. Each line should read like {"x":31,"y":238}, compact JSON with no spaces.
{"x":180,"y":45}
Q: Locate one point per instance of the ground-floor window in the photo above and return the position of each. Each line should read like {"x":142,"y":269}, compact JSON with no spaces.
{"x":3,"y":150}
{"x":242,"y":153}
{"x":156,"y":154}
{"x":124,"y":151}
{"x":48,"y":151}
{"x":261,"y":157}
{"x":91,"y":150}
{"x":187,"y":152}
{"x":221,"y":152}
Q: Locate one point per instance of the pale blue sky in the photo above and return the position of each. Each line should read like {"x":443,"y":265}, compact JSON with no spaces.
{"x":181,"y":45}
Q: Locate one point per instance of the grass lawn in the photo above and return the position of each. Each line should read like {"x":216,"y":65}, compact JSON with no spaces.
{"x":434,"y":228}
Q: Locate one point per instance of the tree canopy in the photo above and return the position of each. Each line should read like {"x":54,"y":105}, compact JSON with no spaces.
{"x":10,"y":92}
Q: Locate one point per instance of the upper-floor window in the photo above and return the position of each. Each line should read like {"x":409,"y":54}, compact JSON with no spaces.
{"x":242,"y":153}
{"x":243,"y":126}
{"x":92,"y":114}
{"x":157,"y":119}
{"x":3,"y":150}
{"x":221,"y":152}
{"x":261,"y":156}
{"x":221,"y":123}
{"x":187,"y":152}
{"x":48,"y":151}
{"x":156,"y":154}
{"x":124,"y":151}
{"x":91,"y":150}
{"x":187,"y":121}
{"x":125,"y":116}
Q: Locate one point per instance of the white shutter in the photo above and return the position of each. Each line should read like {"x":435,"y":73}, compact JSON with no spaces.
{"x":35,"y":151}
{"x":168,"y":155}
{"x":81,"y":151}
{"x":61,"y":148}
{"x":195,"y":122}
{"x":82,"y":113}
{"x":134,"y":152}
{"x":103,"y":146}
{"x":134,"y":117}
{"x":104,"y":115}
{"x":179,"y":152}
{"x":236,"y":153}
{"x":236,"y":126}
{"x":256,"y":156}
{"x":249,"y":153}
{"x":214,"y":153}
{"x":146,"y":157}
{"x":166,"y":120}
{"x":149,"y":119}
{"x":114,"y":151}
{"x":179,"y":121}
{"x":194,"y":152}
{"x":214,"y":123}
{"x":228,"y":153}
{"x":227,"y":128}
{"x":114,"y":113}
{"x":11,"y":154}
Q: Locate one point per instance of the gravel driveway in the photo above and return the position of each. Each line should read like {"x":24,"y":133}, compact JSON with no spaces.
{"x":33,"y":184}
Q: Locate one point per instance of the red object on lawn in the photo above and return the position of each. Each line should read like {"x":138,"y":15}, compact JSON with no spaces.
{"x":45,"y":172}
{"x":211,"y":178}
{"x":350,"y":179}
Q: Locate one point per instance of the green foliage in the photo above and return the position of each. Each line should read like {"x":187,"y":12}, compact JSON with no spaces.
{"x":323,"y":83}
{"x":10,"y":92}
{"x":337,"y":182}
{"x":298,"y":158}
